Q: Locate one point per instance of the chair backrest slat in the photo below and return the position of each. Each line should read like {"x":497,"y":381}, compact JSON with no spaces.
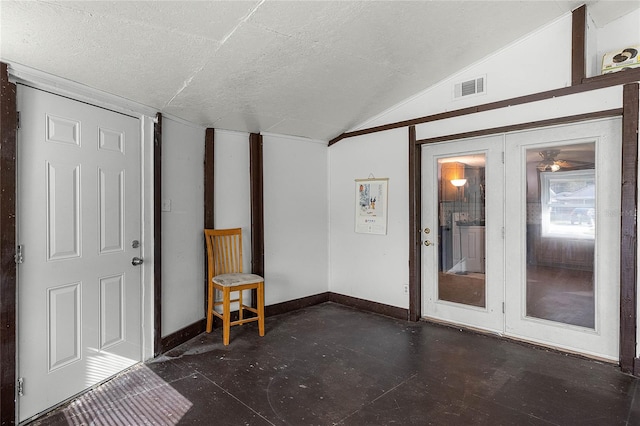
{"x":224,"y":251}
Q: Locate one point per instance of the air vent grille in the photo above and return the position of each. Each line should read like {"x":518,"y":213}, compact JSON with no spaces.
{"x":469,"y":87}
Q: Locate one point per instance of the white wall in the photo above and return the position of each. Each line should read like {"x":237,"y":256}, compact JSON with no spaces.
{"x":182,"y":238}
{"x":536,"y":63}
{"x":295,"y":218}
{"x":295,"y":209}
{"x":598,"y":100}
{"x":614,"y":37}
{"x":371,"y":267}
{"x":232,"y":188}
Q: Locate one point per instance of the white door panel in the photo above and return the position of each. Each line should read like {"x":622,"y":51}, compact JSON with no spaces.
{"x":599,"y":336}
{"x":450,"y":287}
{"x":79,"y":304}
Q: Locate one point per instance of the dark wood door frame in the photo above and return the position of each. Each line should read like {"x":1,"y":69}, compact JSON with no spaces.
{"x":628,"y":235}
{"x":157,"y":236}
{"x":8,"y":270}
{"x":415,"y":228}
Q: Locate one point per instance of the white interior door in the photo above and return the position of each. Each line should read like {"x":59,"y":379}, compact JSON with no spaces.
{"x":79,"y":296}
{"x":462,"y":217}
{"x":563,"y":250}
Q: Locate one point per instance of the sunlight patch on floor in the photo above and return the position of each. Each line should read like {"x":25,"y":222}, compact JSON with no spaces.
{"x":138,"y":397}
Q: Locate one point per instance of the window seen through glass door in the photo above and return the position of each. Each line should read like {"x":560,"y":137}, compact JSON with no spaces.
{"x":561,"y":233}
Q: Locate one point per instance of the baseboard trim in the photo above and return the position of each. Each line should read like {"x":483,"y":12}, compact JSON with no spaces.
{"x":341,"y":299}
{"x":369,"y":306}
{"x":294,"y":305}
{"x":177,"y":338}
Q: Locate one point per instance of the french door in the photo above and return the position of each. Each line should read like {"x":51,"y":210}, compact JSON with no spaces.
{"x":521,"y":235}
{"x":563,"y":254}
{"x":462,"y":222}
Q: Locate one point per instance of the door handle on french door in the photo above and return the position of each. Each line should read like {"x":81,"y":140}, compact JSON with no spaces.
{"x":428,"y":243}
{"x":136,"y":261}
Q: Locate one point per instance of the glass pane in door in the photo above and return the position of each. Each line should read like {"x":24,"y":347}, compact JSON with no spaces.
{"x":461,"y":230}
{"x":561,"y":223}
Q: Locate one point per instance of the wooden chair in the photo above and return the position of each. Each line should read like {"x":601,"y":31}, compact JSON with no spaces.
{"x":224,"y":252}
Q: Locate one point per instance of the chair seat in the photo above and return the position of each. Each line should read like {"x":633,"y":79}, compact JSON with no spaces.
{"x":227,"y":280}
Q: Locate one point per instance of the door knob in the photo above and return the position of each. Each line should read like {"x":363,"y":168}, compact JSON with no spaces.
{"x":427,"y":243}
{"x":136,"y":261}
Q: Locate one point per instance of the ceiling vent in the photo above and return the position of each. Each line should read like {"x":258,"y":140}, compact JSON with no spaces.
{"x":476,"y":86}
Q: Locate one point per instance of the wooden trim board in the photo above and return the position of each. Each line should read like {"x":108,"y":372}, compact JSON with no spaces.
{"x":8,"y":270}
{"x":157,"y":235}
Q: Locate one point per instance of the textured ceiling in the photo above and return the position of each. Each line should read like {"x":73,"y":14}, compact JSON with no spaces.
{"x":305,"y":68}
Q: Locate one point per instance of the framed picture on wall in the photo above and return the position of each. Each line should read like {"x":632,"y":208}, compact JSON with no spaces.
{"x":371,"y":206}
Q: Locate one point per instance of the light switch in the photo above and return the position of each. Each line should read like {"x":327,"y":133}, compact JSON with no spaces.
{"x":166,"y":205}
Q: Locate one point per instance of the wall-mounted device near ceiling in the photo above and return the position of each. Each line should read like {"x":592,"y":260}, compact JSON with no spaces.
{"x":621,"y":60}
{"x":550,"y":163}
{"x":475,"y":86}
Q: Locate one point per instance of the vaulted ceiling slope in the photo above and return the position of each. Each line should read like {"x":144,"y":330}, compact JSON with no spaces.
{"x":305,"y":68}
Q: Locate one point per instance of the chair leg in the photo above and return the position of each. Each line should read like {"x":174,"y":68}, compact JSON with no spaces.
{"x":240,"y":306}
{"x":210,"y":301}
{"x":261,"y":308}
{"x":226,"y":316}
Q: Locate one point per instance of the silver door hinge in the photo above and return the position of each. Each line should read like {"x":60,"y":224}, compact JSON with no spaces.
{"x":503,"y":232}
{"x":503,"y":307}
{"x":18,"y":256}
{"x":502,"y":157}
{"x":18,"y":119}
{"x":20,"y":386}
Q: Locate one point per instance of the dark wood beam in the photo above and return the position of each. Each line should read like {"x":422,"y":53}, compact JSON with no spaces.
{"x":257,"y":207}
{"x":588,"y":84}
{"x":578,"y":45}
{"x":525,"y":126}
{"x":415,"y":236}
{"x":208,"y":201}
{"x":209,"y":178}
{"x":157,"y":235}
{"x":8,"y":272}
{"x":628,"y":235}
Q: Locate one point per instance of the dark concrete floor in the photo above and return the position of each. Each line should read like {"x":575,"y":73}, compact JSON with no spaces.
{"x":330,"y":364}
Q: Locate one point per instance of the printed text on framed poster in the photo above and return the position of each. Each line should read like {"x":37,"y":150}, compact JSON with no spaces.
{"x":371,"y":206}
